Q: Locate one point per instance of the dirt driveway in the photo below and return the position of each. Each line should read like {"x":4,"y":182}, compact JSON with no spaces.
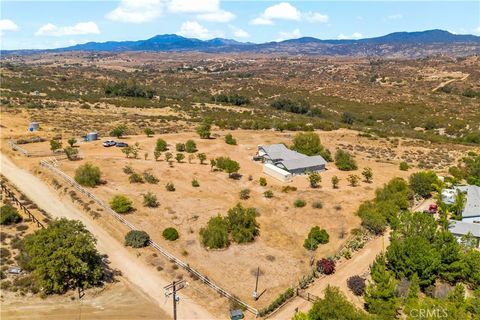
{"x":132,"y":268}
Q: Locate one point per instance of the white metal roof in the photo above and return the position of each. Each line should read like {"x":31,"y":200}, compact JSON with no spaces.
{"x":463,"y":228}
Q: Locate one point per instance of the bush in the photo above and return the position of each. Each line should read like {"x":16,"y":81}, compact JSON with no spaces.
{"x":353,"y":180}
{"x":345,"y":161}
{"x":245,"y":194}
{"x":204,"y":130}
{"x":347,"y":118}
{"x":62,"y":256}
{"x":150,"y":200}
{"x":179,"y":157}
{"x":202,"y":157}
{"x":121,"y":204}
{"x":335,"y":181}
{"x":229,"y":139}
{"x":180,"y":147}
{"x":161,"y":145}
{"x":263,"y":181}
{"x":317,"y":205}
{"x":137,"y":239}
{"x":422,"y":183}
{"x":227,"y":165}
{"x":190,"y":146}
{"x":314,"y":179}
{"x":88,"y":175}
{"x":287,"y":189}
{"x":118,"y":131}
{"x":404,"y":166}
{"x":277,"y":302}
{"x":357,"y":285}
{"x":135,"y":178}
{"x":170,"y":187}
{"x":55,"y":144}
{"x":326,"y":266}
{"x":315,"y":237}
{"x":367,"y":174}
{"x":128,"y":170}
{"x":242,"y":223}
{"x":215,"y":234}
{"x":71,"y":153}
{"x":170,"y":234}
{"x":195,"y":183}
{"x":149,"y":132}
{"x":9,"y":215}
{"x":268,"y":194}
{"x":299,"y":203}
{"x":309,"y":144}
{"x":150,"y":178}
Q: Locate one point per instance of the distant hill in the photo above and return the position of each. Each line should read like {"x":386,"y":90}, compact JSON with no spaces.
{"x":398,"y":44}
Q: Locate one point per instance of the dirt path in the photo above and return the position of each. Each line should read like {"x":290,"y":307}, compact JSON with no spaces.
{"x":443,"y":84}
{"x":143,"y":276}
{"x":358,"y":265}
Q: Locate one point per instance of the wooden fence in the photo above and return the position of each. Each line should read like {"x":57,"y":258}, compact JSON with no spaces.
{"x":26,"y":153}
{"x":161,"y":250}
{"x":306,"y":295}
{"x":11,"y":196}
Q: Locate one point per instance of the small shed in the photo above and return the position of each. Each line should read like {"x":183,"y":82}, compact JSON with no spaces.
{"x":91,"y":136}
{"x":277,"y":172}
{"x":33,"y":126}
{"x":236,"y":314}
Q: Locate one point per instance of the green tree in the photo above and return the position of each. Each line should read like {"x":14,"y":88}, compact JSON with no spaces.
{"x":314,"y":179}
{"x":149,"y":132}
{"x":367,"y":174}
{"x":215,"y":234}
{"x":88,"y":175}
{"x":118,"y":131}
{"x":55,"y":144}
{"x":202,"y":157}
{"x":170,"y":234}
{"x":423,"y":183}
{"x":137,"y":239}
{"x":335,"y":182}
{"x":404,"y":166}
{"x":242,"y":223}
{"x":9,"y":215}
{"x":71,"y":153}
{"x":345,"y":161}
{"x":190,"y":146}
{"x":204,"y":130}
{"x":372,"y":219}
{"x":232,"y":167}
{"x":309,"y":144}
{"x":161,"y":145}
{"x":168,"y":156}
{"x":262,"y":181}
{"x":179,"y":157}
{"x":353,"y":180}
{"x":62,"y":256}
{"x":121,"y":204}
{"x":229,"y":139}
{"x":180,"y":147}
{"x":150,"y":200}
{"x":157,"y":154}
{"x":315,"y":237}
{"x":71,"y":142}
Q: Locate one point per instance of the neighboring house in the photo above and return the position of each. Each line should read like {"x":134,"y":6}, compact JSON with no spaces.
{"x":290,"y":161}
{"x":460,"y":229}
{"x":471,"y":211}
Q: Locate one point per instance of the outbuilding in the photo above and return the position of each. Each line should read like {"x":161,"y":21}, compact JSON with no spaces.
{"x":461,"y":228}
{"x":33,"y":126}
{"x":277,"y":173}
{"x":91,"y":136}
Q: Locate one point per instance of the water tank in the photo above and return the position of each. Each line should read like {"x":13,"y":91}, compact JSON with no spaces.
{"x":91,"y":136}
{"x":33,"y":126}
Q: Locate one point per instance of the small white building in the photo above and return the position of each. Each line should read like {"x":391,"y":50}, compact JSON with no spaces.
{"x":461,"y":228}
{"x":277,"y":172}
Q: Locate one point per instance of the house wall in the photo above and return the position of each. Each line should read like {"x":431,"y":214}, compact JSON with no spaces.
{"x":311,"y":169}
{"x":471,"y":219}
{"x":277,"y":173}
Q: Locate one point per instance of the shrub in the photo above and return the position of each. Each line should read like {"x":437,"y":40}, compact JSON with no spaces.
{"x":180,"y":147}
{"x":227,"y":165}
{"x":202,"y":157}
{"x":423,"y":183}
{"x":121,"y":204}
{"x":326,"y":266}
{"x":71,"y":142}
{"x":367,"y":174}
{"x":71,"y":153}
{"x":168,"y":156}
{"x":137,"y":239}
{"x":345,"y":161}
{"x":88,"y":175}
{"x":357,"y":285}
{"x":335,"y":181}
{"x":62,"y":255}
{"x":204,"y":130}
{"x":404,"y":166}
{"x":161,"y":145}
{"x":128,"y":170}
{"x":229,"y":139}
{"x":242,"y":223}
{"x":170,"y":186}
{"x":55,"y":144}
{"x":277,"y":302}
{"x":150,"y":200}
{"x":314,"y":179}
{"x":118,"y":131}
{"x":287,"y":189}
{"x":215,"y":234}
{"x":268,"y":194}
{"x":179,"y":157}
{"x":263,"y":181}
{"x":353,"y":180}
{"x":299,"y":203}
{"x":190,"y":146}
{"x":195,"y":183}
{"x":135,"y":178}
{"x":347,"y":118}
{"x":150,"y":178}
{"x":315,"y":237}
{"x":156,"y":154}
{"x":149,"y":132}
{"x":170,"y":234}
{"x":317,"y":205}
{"x":245,"y":194}
{"x":9,"y":215}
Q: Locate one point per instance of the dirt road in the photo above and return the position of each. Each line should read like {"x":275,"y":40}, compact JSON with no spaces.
{"x":358,"y":265}
{"x":138,"y":273}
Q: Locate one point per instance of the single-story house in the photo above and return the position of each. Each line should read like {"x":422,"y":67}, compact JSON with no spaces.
{"x":291,"y":161}
{"x":471,"y":211}
{"x":462,"y":228}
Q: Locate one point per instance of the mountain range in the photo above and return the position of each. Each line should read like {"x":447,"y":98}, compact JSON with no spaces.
{"x":398,"y":44}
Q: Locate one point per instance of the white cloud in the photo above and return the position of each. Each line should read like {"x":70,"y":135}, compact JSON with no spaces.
{"x":285,"y":11}
{"x":193,"y":29}
{"x":289,"y":35}
{"x":217,"y":16}
{"x":50,"y":29}
{"x":136,"y":11}
{"x":7,"y":25}
{"x":355,"y":35}
{"x":396,"y":16}
{"x":316,"y":17}
{"x":477,"y":30}
{"x":239,"y":33}
{"x":194,"y":6}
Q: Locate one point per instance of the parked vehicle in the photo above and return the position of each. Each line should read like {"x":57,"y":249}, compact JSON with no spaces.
{"x":109,"y":143}
{"x":121,"y":144}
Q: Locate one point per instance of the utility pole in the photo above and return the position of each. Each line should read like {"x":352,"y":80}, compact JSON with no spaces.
{"x":255,"y":292}
{"x":171,"y":290}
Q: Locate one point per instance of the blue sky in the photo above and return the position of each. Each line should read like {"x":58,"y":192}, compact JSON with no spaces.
{"x":51,"y":24}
